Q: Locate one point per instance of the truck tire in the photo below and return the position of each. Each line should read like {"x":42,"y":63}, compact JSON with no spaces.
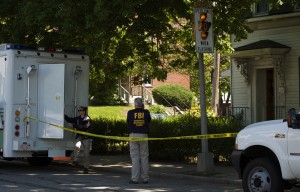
{"x":262,"y":175}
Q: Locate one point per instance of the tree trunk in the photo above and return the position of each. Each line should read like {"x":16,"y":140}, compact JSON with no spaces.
{"x":215,"y":84}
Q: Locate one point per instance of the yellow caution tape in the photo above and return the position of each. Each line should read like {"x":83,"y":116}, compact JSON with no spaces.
{"x":205,"y":136}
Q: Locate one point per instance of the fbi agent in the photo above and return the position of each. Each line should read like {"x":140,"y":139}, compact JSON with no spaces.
{"x":138,"y":120}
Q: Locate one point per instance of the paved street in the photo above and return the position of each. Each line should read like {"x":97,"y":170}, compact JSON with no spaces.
{"x":16,"y":176}
{"x":19,"y":176}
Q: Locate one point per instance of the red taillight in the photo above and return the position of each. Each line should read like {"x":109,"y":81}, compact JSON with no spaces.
{"x":17,"y":127}
{"x":17,"y":133}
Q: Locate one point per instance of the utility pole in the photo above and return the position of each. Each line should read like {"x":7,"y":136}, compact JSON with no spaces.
{"x":205,"y":162}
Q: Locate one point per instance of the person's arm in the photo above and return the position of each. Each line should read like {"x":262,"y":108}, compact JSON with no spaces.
{"x":86,"y":123}
{"x":149,"y":116}
{"x":70,"y":119}
{"x":89,"y":122}
{"x":129,"y":120}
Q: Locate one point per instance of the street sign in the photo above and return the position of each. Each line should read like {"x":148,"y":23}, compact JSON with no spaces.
{"x":204,"y":30}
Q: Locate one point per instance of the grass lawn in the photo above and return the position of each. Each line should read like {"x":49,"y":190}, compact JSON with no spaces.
{"x":110,"y":112}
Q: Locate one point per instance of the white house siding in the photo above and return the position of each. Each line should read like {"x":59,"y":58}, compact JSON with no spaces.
{"x":239,"y":90}
{"x":242,"y":95}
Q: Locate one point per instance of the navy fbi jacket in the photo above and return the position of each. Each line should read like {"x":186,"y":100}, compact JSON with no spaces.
{"x":80,"y":124}
{"x":138,"y":120}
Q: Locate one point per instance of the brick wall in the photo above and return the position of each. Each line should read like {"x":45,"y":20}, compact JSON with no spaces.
{"x":173,"y":78}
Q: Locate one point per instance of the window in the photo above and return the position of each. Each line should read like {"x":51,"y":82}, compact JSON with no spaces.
{"x":148,"y":81}
{"x":262,"y":7}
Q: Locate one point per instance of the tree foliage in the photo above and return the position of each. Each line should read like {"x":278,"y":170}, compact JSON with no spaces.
{"x":133,"y":36}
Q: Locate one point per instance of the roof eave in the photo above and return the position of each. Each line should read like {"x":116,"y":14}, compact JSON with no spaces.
{"x":260,"y":52}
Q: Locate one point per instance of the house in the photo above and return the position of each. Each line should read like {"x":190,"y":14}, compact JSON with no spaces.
{"x":130,"y":87}
{"x":265,"y":67}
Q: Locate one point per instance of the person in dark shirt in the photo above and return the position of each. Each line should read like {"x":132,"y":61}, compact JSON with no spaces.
{"x":138,"y":121}
{"x":81,"y":123}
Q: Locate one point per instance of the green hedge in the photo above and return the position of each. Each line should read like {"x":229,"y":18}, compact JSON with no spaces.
{"x":175,"y":95}
{"x":176,"y":150}
{"x":109,"y":127}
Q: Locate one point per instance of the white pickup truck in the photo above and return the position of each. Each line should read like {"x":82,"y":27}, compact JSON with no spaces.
{"x":267,"y":154}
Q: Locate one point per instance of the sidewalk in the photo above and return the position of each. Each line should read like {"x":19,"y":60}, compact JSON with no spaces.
{"x":122,"y":163}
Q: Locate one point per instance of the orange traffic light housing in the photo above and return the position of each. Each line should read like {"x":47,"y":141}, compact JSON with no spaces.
{"x":204,"y":35}
{"x":203,"y":25}
{"x":203,"y":16}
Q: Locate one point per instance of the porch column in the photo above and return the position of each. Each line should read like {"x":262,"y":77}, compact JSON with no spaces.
{"x":243,"y":66}
{"x":278,"y":63}
{"x":279,"y":68}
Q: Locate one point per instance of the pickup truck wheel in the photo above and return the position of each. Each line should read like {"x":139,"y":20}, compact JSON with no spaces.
{"x":262,"y":175}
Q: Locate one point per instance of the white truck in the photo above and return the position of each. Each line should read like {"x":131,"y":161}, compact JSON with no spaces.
{"x":267,"y":154}
{"x":44,"y":84}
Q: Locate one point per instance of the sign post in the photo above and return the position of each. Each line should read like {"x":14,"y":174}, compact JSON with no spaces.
{"x":204,"y":44}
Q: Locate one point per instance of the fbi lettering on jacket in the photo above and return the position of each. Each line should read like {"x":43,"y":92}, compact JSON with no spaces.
{"x":139,"y":119}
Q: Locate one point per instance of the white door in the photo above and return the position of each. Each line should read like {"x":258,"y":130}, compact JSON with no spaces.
{"x":51,"y":100}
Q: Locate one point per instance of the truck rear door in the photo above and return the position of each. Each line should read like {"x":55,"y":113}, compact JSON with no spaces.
{"x":51,"y":100}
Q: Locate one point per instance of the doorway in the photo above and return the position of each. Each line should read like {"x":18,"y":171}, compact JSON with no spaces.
{"x":270,"y":94}
{"x":265,"y":94}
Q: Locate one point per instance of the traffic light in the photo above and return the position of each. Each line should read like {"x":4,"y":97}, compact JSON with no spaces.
{"x":203,"y":25}
{"x":203,"y":21}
